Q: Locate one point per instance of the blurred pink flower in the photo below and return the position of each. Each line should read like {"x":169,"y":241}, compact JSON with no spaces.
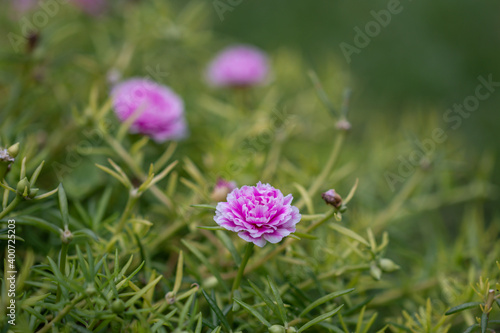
{"x":238,"y":66}
{"x":22,"y":6}
{"x":258,"y":214}
{"x":91,"y":7}
{"x":221,"y":189}
{"x":158,"y":111}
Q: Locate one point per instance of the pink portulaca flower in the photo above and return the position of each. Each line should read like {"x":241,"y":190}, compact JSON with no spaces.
{"x":157,"y":111}
{"x":238,"y":66}
{"x":258,"y":214}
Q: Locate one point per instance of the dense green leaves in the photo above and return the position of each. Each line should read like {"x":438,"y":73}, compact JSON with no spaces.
{"x":215,"y":308}
{"x":254,"y":312}
{"x":129,"y":242}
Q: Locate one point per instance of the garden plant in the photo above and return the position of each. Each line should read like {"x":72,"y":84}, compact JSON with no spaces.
{"x":157,"y":176}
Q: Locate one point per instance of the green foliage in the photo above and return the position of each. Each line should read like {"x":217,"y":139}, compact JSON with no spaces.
{"x":119,"y":235}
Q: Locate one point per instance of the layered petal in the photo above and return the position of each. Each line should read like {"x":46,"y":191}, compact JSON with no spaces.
{"x":259,"y":214}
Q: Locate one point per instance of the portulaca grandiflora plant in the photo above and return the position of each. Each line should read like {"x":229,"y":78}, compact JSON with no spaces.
{"x":175,"y":182}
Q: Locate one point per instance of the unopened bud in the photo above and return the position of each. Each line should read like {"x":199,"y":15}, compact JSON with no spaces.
{"x":23,"y":187}
{"x":170,"y":297}
{"x":90,"y":290}
{"x":375,"y":272}
{"x":425,"y":164}
{"x":343,"y":125}
{"x":33,"y":40}
{"x":113,"y":76}
{"x":277,"y":329}
{"x":332,"y":198}
{"x":118,"y":306}
{"x":388,"y":265}
{"x":13,"y":150}
{"x":66,"y":236}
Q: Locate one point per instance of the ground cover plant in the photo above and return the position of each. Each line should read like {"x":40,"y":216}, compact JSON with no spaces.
{"x":159,"y":177}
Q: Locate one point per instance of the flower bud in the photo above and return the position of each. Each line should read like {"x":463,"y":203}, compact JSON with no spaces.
{"x":90,"y":290}
{"x":222,"y":189}
{"x":66,"y":236}
{"x":375,"y":272}
{"x":425,"y":164}
{"x":23,"y":187}
{"x":33,"y":40}
{"x":277,"y":329}
{"x":118,"y":306}
{"x":332,"y":198}
{"x":343,"y":125}
{"x":13,"y":150}
{"x":291,"y":330}
{"x":113,"y":76}
{"x":170,"y":297}
{"x":388,"y":265}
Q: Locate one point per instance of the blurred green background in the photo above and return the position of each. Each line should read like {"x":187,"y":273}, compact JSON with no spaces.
{"x":429,"y":55}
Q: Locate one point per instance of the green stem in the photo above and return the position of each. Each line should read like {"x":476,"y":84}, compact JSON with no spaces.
{"x":11,"y":206}
{"x":241,"y":269}
{"x":240,"y":96}
{"x":318,"y":182}
{"x":132,"y":199}
{"x":239,"y":276}
{"x":61,"y":314}
{"x":3,"y":169}
{"x":281,"y":247}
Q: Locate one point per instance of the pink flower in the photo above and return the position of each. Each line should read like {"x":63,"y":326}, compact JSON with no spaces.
{"x":222,"y":189}
{"x":23,"y":6}
{"x":258,"y":214}
{"x":158,"y":111}
{"x":238,"y":66}
{"x":91,"y":7}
